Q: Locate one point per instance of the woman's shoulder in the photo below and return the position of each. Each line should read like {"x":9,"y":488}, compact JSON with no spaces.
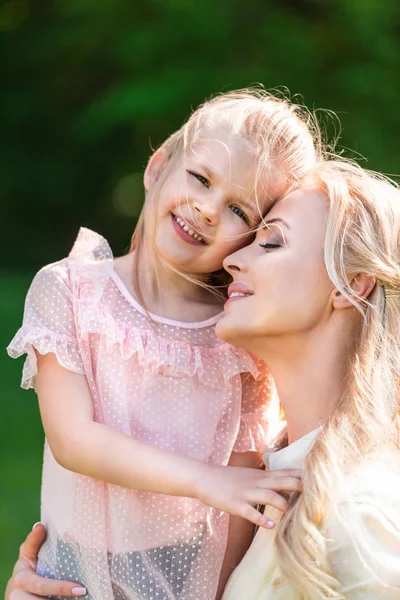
{"x":368,"y":491}
{"x":374,"y":479}
{"x":367,"y":499}
{"x":373,"y":484}
{"x":363,"y":530}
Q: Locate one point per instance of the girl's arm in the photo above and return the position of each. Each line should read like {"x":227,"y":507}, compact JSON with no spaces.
{"x":80,"y":444}
{"x":241,"y":531}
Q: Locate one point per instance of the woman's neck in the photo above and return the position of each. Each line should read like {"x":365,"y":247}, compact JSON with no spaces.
{"x":310,"y":373}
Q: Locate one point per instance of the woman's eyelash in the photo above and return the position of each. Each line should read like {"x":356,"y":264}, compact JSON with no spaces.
{"x":200,"y":178}
{"x":238,"y":211}
{"x":270,"y":246}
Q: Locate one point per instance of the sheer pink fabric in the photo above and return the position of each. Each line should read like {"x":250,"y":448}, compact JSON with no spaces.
{"x":170,"y":384}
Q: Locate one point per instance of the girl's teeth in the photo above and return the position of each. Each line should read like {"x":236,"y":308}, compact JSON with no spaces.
{"x":237,"y":294}
{"x":187,"y":229}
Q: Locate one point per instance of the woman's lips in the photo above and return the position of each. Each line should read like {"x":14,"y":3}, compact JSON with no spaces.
{"x":238,"y":291}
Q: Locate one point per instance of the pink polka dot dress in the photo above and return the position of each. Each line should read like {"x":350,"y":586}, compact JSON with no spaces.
{"x":170,"y":384}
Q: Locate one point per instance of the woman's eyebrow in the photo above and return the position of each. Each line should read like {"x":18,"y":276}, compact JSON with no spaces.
{"x":276,"y":220}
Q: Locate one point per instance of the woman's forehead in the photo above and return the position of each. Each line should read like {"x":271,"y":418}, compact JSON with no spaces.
{"x":298,"y":207}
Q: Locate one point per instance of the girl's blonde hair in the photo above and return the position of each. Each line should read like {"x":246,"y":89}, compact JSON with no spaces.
{"x":283,"y":137}
{"x":363,"y":236}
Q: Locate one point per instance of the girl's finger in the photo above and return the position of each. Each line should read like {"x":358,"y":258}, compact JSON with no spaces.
{"x":269,"y":498}
{"x":248,"y":512}
{"x":284,"y":484}
{"x":287,"y":473}
{"x":251,"y":514}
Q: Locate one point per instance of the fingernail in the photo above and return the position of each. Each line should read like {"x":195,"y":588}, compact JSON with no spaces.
{"x":38,"y":523}
{"x":79,"y":591}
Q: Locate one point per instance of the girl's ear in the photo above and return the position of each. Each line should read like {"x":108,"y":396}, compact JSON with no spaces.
{"x":362,"y":284}
{"x":154,"y":168}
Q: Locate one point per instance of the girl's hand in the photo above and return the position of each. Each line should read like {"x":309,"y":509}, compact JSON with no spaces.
{"x":25,"y":584}
{"x":237,"y":490}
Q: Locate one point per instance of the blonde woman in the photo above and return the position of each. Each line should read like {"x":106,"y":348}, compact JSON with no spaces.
{"x":317,"y":297}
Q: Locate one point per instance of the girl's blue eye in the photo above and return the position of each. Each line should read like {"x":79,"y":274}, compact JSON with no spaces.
{"x":270,"y":246}
{"x":238,"y":211}
{"x":200,"y":178}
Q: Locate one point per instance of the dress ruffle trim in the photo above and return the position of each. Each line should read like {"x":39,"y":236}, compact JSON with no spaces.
{"x":92,"y":264}
{"x":214,"y":365}
{"x":27,"y":339}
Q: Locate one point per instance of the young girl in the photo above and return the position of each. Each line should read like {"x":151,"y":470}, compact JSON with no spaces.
{"x":142,"y":406}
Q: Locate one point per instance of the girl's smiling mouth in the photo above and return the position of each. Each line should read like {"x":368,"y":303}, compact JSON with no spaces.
{"x":186,"y":232}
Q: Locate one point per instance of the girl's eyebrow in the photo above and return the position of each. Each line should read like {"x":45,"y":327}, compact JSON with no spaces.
{"x":276,"y":220}
{"x":207,"y":171}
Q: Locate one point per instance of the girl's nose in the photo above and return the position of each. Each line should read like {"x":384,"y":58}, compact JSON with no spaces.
{"x":209,"y":209}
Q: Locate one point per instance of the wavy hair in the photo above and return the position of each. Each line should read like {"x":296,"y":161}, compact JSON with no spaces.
{"x":362,"y":236}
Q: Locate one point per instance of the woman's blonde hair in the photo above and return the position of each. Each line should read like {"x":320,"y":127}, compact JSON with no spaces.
{"x":363,"y":236}
{"x":283,"y":137}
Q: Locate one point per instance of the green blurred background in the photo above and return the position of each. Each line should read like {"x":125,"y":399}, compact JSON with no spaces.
{"x":88,"y":86}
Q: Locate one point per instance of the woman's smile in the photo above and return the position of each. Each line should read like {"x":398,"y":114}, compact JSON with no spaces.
{"x":237,"y":291}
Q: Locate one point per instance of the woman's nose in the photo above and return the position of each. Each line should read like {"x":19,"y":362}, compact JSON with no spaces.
{"x":235,"y":263}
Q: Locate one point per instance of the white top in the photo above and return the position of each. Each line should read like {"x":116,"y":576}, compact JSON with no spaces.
{"x":363,"y":535}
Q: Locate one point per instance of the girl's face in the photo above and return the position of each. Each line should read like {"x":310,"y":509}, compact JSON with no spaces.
{"x":284,"y":286}
{"x":208,"y":207}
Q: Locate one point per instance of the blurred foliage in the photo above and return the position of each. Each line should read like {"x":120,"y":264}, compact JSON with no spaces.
{"x":21,"y":437}
{"x":89,"y":86}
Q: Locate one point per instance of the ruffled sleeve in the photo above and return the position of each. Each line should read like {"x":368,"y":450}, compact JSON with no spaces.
{"x":48,"y":323}
{"x":259,"y":411}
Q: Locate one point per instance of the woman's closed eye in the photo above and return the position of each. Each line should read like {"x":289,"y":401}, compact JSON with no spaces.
{"x":274,"y":239}
{"x":270,"y":246}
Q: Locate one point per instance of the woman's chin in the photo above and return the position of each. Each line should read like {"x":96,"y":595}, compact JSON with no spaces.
{"x":228,"y":330}
{"x":223,"y":329}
